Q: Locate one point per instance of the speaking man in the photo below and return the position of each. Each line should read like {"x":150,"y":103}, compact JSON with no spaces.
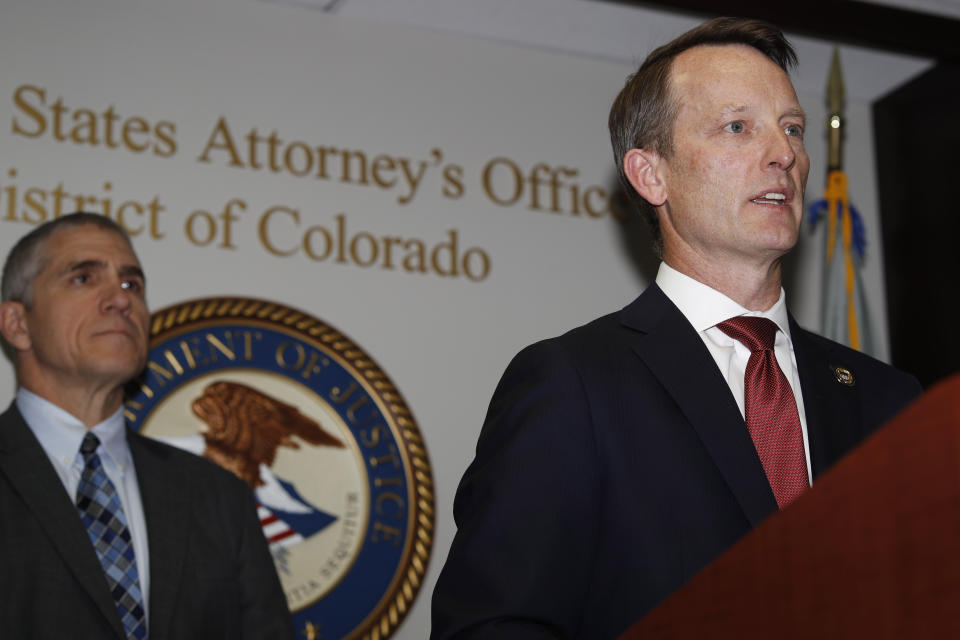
{"x":619,"y":459}
{"x":103,"y":532}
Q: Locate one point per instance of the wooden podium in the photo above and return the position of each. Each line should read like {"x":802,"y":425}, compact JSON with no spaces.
{"x":871,"y":551}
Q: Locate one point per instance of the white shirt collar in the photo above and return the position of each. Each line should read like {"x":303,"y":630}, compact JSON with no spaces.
{"x":60,"y":433}
{"x":704,"y":306}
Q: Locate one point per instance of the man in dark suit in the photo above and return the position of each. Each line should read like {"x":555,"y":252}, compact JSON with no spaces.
{"x":105,"y":533}
{"x":619,"y":459}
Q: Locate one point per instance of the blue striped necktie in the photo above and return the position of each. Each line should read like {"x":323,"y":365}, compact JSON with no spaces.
{"x":102,"y":514}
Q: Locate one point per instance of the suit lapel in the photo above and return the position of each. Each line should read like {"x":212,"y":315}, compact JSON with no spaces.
{"x":164,"y":493}
{"x":676,"y":355}
{"x":24,"y":462}
{"x":831,"y":408}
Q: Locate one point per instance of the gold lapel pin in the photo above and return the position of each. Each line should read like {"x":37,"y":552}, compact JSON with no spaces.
{"x":844,"y":376}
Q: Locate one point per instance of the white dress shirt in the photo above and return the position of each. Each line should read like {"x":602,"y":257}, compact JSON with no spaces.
{"x":60,"y":435}
{"x":705,"y":307}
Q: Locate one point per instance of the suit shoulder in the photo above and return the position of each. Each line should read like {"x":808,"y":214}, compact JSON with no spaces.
{"x":190,"y":464}
{"x":584,"y":339}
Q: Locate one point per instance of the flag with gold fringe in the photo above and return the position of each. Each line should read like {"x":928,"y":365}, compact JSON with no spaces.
{"x":845,"y":317}
{"x":844,"y":309}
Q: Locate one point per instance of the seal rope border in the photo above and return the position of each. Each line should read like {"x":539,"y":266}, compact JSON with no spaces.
{"x":391,"y":614}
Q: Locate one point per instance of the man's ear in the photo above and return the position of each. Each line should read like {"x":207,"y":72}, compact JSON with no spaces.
{"x":642,"y":169}
{"x":13,"y":325}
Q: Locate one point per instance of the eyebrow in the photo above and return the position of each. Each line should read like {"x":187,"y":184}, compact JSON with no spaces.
{"x":734,"y":108}
{"x":133,"y":270}
{"x":795,"y":113}
{"x":125,"y":270}
{"x":83,"y":265}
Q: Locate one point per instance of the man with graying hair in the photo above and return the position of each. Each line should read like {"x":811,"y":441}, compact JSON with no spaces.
{"x":105,"y":533}
{"x":619,"y":459}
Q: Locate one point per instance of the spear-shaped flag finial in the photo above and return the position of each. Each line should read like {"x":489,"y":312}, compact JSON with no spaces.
{"x":836,"y":102}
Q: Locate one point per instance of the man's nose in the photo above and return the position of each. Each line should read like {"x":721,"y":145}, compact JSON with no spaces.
{"x":781,"y":153}
{"x":116,"y":297}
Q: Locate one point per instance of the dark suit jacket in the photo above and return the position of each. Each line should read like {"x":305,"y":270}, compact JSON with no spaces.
{"x":614,"y":464}
{"x":211,"y":575}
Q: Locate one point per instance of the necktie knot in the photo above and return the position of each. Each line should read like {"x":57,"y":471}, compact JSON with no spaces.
{"x":89,"y":444}
{"x":757,"y":334}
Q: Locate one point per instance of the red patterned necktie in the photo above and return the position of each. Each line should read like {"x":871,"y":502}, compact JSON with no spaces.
{"x":771,"y":409}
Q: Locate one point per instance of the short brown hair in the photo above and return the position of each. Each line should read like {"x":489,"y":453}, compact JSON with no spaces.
{"x":27,"y":257}
{"x":643,"y":113}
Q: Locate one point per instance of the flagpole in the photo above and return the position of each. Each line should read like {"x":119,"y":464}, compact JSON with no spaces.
{"x":836,"y":196}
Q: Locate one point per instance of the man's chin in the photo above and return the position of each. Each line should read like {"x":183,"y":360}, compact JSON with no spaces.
{"x":121,"y":369}
{"x":782,"y":238}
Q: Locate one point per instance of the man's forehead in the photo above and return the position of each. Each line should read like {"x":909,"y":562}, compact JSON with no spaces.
{"x":720,"y":57}
{"x":89,"y":244}
{"x":732,"y":74}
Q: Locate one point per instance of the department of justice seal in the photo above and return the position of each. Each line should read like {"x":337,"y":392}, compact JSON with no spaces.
{"x":298,"y":410}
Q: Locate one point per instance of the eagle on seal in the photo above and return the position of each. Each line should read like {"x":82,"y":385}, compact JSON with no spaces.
{"x":245,"y":427}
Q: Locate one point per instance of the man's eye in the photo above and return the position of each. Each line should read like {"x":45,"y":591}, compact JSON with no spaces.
{"x":132,"y":285}
{"x":81,"y":278}
{"x":794,"y":130}
{"x":736,"y":127}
